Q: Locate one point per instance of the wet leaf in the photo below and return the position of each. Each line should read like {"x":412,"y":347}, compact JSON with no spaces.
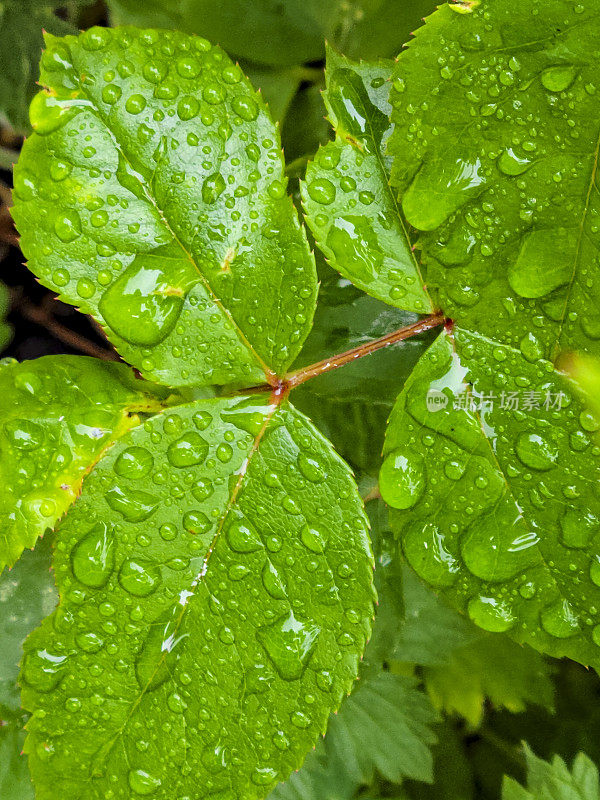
{"x":21,"y":44}
{"x":350,"y":206}
{"x":215,"y":582}
{"x":152,"y":195}
{"x":59,"y":414}
{"x":6,"y":331}
{"x":26,"y":596}
{"x":486,"y":428}
{"x":554,"y":781}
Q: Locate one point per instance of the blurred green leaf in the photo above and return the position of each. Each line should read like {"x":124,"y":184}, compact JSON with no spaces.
{"x":554,"y":780}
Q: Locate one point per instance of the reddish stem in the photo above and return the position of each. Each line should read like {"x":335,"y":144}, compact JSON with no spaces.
{"x":306,"y":373}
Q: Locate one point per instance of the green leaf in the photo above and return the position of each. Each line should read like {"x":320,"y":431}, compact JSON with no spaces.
{"x":487,"y":428}
{"x":513,"y":542}
{"x":215,"y":582}
{"x":152,"y":196}
{"x":21,"y":43}
{"x":283,"y":33}
{"x":492,"y":667}
{"x":350,"y":206}
{"x":554,"y":781}
{"x":6,"y":331}
{"x":384,"y":727}
{"x":585,"y":371}
{"x":26,"y":596}
{"x":494,"y":147}
{"x":59,"y":415}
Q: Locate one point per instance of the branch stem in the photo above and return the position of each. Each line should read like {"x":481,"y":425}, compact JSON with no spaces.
{"x":294,"y":379}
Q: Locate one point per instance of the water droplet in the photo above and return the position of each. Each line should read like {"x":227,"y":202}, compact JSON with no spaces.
{"x":536,"y":452}
{"x":145,"y":302}
{"x":243,"y":537}
{"x":557,"y":79}
{"x":213,"y":187}
{"x":559,"y":620}
{"x":224,"y":452}
{"x":441,"y":187}
{"x":491,"y":614}
{"x":426,"y":550}
{"x":322,"y":191}
{"x":355,"y":246}
{"x":134,"y":463}
{"x":139,"y":578}
{"x":544,"y":263}
{"x":313,"y":539}
{"x":577,"y":527}
{"x":264,"y":776}
{"x":196,"y":522}
{"x":48,"y":113}
{"x":311,"y":468}
{"x":67,"y":225}
{"x":43,"y":670}
{"x":245,"y":107}
{"x":272,"y":582}
{"x":142,"y":782}
{"x":289,"y":644}
{"x":162,"y":649}
{"x":134,"y":506}
{"x":135,"y":104}
{"x":248,"y":415}
{"x":93,"y":557}
{"x":595,"y":570}
{"x":189,"y":450}
{"x":402,"y":479}
{"x":511,"y":164}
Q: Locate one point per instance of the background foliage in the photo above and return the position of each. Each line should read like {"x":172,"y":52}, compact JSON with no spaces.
{"x":442,"y":707}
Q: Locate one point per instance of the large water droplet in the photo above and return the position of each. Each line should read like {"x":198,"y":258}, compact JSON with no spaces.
{"x":313,"y":539}
{"x":544,"y":263}
{"x":48,"y":113}
{"x":289,"y":644}
{"x":491,"y":614}
{"x":135,"y":506}
{"x":189,"y":450}
{"x":243,"y":537}
{"x":93,"y":557}
{"x":557,"y":79}
{"x":355,"y":246}
{"x":162,"y":649}
{"x":402,"y":479}
{"x":536,"y":451}
{"x":142,"y":782}
{"x":145,"y":302}
{"x":213,"y":187}
{"x":499,"y":546}
{"x":43,"y":670}
{"x":511,"y":164}
{"x":134,"y":463}
{"x":139,"y":578}
{"x":441,"y":187}
{"x":272,"y":581}
{"x":248,"y":415}
{"x":559,"y":620}
{"x":577,"y":527}
{"x":427,"y":551}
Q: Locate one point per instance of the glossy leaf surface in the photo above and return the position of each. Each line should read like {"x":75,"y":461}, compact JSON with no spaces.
{"x":486,"y":422}
{"x":58,"y":415}
{"x":350,"y":206}
{"x":495,"y":152}
{"x":27,"y":595}
{"x":515,"y":546}
{"x":554,"y":780}
{"x":215,"y":581}
{"x":152,"y":196}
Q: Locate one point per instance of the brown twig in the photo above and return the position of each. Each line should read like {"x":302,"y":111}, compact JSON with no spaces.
{"x":41,"y":316}
{"x":306,"y":373}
